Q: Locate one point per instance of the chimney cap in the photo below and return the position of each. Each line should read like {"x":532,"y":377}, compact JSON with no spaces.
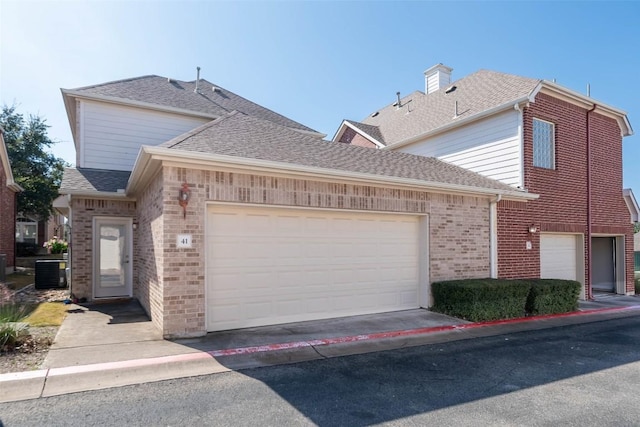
{"x":438,"y":67}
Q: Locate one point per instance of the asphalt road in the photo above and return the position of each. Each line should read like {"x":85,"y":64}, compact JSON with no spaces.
{"x":579,"y":375}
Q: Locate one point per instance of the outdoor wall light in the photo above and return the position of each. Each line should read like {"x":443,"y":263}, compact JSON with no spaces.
{"x":533,"y":229}
{"x":183,"y":198}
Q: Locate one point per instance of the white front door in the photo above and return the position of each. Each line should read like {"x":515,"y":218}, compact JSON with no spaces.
{"x":112,"y":257}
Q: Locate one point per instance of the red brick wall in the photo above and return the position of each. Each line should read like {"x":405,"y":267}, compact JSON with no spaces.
{"x":7,"y":219}
{"x":352,"y":137}
{"x":562,"y":206}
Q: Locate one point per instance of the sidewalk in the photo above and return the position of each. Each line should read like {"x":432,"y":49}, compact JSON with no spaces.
{"x":110,"y":345}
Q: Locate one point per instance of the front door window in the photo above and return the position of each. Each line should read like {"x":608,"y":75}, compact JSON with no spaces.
{"x":112,"y":276}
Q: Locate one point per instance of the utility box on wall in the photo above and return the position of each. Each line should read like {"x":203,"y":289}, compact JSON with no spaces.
{"x":51,"y":273}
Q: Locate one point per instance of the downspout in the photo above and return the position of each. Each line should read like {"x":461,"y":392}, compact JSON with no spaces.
{"x":15,"y":226}
{"x":588,"y":239}
{"x":493,"y":235}
{"x":70,"y":247}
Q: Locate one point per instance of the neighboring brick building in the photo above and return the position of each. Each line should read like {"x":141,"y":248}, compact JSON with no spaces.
{"x":216,"y":213}
{"x":534,"y":135}
{"x":8,"y":194}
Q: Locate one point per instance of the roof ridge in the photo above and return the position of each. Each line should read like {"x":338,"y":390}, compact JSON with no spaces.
{"x":180,"y":138}
{"x":128,"y":79}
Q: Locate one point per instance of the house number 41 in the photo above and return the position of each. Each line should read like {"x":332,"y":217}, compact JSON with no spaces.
{"x":184,"y":241}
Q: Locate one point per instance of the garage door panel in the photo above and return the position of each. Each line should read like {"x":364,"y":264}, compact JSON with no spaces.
{"x":558,"y":256}
{"x":274,"y":265}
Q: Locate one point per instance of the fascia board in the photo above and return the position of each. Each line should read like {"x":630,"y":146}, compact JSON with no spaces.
{"x":140,"y":104}
{"x":256,"y":165}
{"x":143,"y":169}
{"x":573,"y":97}
{"x":339,"y":132}
{"x":88,"y":194}
{"x":306,"y":132}
{"x":70,"y":107}
{"x":632,"y":204}
{"x":458,"y":123}
{"x":363,"y":133}
{"x":6,"y":165}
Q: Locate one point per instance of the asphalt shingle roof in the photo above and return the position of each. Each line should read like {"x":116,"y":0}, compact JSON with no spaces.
{"x":84,"y":179}
{"x":244,"y":136}
{"x":179,"y":94}
{"x":421,"y":113}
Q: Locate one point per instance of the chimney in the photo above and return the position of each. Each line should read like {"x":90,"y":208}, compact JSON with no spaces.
{"x":437,"y":77}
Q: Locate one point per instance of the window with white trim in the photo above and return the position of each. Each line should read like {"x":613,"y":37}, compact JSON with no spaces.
{"x":544,"y":144}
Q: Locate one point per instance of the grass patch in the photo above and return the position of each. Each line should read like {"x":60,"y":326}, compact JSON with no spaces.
{"x":47,"y":314}
{"x":19,"y":280}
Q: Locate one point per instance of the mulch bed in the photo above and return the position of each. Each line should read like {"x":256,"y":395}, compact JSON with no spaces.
{"x":32,"y":350}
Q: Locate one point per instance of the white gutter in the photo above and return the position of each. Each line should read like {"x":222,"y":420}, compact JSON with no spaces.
{"x":589,"y":102}
{"x":148,"y":153}
{"x":97,"y":194}
{"x":158,"y":107}
{"x":141,"y":104}
{"x":460,"y":122}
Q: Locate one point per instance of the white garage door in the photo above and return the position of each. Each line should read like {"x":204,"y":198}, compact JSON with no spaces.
{"x":276,"y":265}
{"x":558,"y":256}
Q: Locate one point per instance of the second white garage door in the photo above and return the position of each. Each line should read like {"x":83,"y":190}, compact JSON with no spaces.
{"x":558,"y":256}
{"x":276,"y":265}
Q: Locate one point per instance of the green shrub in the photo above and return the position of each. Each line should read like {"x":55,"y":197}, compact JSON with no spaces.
{"x":10,"y":335}
{"x":480,"y":300}
{"x":10,"y":331}
{"x":552,"y":296}
{"x":13,"y":312}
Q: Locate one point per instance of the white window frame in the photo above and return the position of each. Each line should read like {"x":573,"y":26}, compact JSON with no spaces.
{"x":21,"y":224}
{"x":552,"y":150}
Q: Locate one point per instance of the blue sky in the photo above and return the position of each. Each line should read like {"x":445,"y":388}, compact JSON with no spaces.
{"x":316,"y":62}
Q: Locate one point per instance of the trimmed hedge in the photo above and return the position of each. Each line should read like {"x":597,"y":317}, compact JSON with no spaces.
{"x":480,"y":300}
{"x":551,"y":296}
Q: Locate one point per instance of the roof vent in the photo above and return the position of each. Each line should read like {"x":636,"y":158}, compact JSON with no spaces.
{"x":170,"y":80}
{"x":397,"y":103}
{"x":437,"y":77}
{"x":213,"y":88}
{"x":197,"y":80}
{"x":375,"y":114}
{"x":450,"y":89}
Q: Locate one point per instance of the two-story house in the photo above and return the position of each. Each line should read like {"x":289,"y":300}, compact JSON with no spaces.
{"x":217,"y":213}
{"x":533,"y":135}
{"x":8,"y":194}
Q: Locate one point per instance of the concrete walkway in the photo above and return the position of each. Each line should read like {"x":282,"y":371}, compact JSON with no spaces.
{"x":109,"y":345}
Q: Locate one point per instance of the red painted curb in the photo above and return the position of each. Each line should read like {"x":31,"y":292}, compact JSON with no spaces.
{"x":70,"y":370}
{"x":408,"y":332}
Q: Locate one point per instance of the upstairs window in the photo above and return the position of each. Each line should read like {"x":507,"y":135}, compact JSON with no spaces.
{"x":543,"y":144}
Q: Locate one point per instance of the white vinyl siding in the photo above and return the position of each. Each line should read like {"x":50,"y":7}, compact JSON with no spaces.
{"x":268,"y":265}
{"x":111,"y":135}
{"x":490,"y":147}
{"x":543,"y":144}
